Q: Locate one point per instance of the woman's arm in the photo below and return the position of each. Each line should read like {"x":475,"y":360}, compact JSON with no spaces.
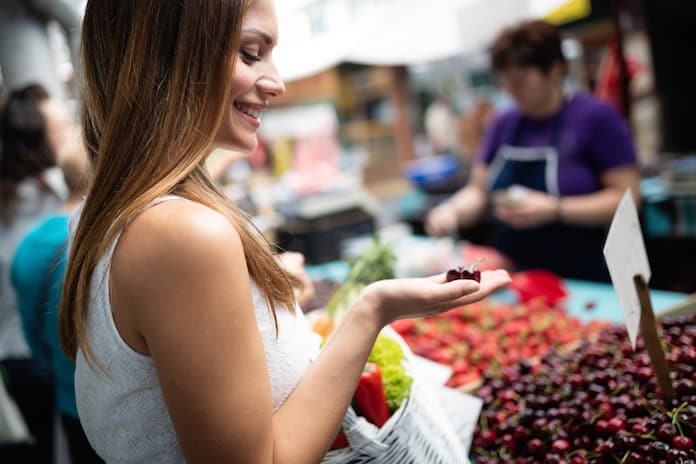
{"x":181,"y":294}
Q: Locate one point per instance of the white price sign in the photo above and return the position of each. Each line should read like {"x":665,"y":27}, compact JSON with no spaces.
{"x":626,"y":257}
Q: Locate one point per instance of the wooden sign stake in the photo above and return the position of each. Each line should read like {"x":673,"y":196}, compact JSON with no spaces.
{"x":648,"y":329}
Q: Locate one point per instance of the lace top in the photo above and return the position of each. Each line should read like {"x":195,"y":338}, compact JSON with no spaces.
{"x":122,"y":409}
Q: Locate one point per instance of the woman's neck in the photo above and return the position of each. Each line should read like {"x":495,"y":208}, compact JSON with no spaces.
{"x":71,"y":204}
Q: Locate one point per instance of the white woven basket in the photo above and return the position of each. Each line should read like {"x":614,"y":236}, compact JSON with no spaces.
{"x":418,"y":432}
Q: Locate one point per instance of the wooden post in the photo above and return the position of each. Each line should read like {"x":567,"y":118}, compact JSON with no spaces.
{"x":648,"y":329}
{"x":402,"y":122}
{"x":624,"y":77}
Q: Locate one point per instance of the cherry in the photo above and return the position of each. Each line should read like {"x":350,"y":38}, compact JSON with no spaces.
{"x":470,"y":272}
{"x":640,"y":428}
{"x":536,"y":447}
{"x":508,"y":441}
{"x":682,"y":443}
{"x":666,"y":431}
{"x":616,"y":423}
{"x":560,"y":446}
{"x":453,"y":274}
{"x":597,"y":404}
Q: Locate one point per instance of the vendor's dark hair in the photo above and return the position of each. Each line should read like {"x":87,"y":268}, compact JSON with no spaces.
{"x":25,"y":150}
{"x":528,"y":44}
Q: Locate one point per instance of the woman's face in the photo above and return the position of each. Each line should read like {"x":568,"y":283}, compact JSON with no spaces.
{"x":58,"y":125}
{"x":531,"y":89}
{"x":255,"y":80}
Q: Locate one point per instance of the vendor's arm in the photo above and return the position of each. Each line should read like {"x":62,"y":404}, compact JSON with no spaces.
{"x":594,"y":209}
{"x":181,"y":294}
{"x":464,"y":208}
{"x":467,"y":206}
{"x":598,"y":208}
{"x":613,"y":153}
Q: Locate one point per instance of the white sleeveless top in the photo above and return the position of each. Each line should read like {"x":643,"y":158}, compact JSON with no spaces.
{"x":122,"y":409}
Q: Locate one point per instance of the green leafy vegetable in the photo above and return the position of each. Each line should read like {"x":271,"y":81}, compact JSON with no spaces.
{"x":388,"y":355}
{"x":397,"y":386}
{"x":386,"y":352}
{"x":375,"y":263}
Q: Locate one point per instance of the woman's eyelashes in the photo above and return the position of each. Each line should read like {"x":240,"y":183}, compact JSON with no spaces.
{"x":249,"y":56}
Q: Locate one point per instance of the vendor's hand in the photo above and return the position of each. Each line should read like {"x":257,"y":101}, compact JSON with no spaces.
{"x":535,"y":209}
{"x":402,"y":298}
{"x":294,"y":264}
{"x":442,"y":220}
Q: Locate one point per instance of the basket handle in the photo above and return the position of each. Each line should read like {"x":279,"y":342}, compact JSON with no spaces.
{"x":361,"y":434}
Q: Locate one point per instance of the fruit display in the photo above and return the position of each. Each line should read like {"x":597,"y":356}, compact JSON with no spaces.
{"x":598,"y":403}
{"x":487,"y":336}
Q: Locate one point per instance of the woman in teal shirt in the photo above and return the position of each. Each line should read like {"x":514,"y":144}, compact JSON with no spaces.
{"x":37,"y":276}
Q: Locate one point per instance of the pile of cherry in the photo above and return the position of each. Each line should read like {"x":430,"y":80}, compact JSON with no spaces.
{"x":597,"y":404}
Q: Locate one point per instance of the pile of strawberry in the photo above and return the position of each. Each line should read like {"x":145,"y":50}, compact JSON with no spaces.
{"x":486,"y":336}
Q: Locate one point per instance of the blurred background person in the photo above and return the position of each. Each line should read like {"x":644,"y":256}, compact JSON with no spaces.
{"x":32,"y":128}
{"x":37,"y":277}
{"x":554,"y":168}
{"x":440,"y":123}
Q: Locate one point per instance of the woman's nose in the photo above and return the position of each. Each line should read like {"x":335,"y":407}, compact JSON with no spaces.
{"x":271,"y":84}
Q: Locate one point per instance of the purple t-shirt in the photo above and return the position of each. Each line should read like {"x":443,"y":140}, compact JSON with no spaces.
{"x":592,"y":138}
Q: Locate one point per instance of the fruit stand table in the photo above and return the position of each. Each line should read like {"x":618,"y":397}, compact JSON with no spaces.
{"x":586,"y":300}
{"x":590,"y":301}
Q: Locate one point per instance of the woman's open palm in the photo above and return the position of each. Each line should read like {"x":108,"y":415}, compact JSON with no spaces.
{"x":403,"y":298}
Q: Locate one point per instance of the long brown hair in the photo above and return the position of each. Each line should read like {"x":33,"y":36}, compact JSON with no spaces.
{"x":155,"y":88}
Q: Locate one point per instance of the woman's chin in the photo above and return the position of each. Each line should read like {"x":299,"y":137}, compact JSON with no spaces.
{"x":245,"y":148}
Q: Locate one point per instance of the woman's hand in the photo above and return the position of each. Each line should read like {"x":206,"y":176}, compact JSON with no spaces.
{"x":294,"y":264}
{"x":403,"y":298}
{"x":535,"y":209}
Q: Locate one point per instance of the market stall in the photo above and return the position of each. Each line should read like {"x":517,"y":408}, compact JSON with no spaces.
{"x":549,"y":358}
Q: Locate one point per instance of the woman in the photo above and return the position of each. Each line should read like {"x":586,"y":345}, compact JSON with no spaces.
{"x":187,"y":340}
{"x":37,"y":277}
{"x":555,"y":167}
{"x":33,"y":127}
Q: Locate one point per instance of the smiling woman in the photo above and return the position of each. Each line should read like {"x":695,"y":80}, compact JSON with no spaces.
{"x":184,"y":326}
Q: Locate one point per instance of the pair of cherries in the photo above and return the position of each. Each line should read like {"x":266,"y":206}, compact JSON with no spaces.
{"x":470,"y":272}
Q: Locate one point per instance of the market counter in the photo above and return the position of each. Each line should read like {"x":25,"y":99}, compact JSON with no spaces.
{"x":586,"y":300}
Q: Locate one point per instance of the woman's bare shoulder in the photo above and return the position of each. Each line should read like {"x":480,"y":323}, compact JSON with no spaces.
{"x":175,"y":241}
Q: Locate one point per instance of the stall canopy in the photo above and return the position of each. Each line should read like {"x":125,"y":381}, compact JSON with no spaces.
{"x":318,"y":34}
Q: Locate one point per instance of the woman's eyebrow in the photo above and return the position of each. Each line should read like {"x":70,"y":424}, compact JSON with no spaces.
{"x":266,"y":38}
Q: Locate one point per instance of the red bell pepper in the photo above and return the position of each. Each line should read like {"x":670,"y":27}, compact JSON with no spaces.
{"x":341,"y":441}
{"x":369,"y":400}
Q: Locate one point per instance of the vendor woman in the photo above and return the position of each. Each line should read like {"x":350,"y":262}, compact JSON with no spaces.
{"x":553,"y":169}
